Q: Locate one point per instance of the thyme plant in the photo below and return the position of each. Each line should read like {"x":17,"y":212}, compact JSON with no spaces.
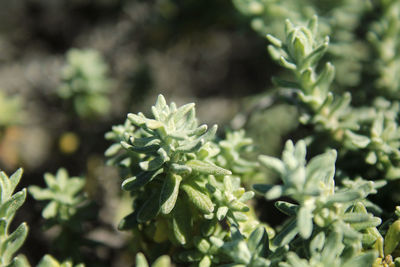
{"x":192,"y":192}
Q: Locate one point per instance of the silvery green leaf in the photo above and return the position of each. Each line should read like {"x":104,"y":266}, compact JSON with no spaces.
{"x":14,"y":180}
{"x":287,"y":208}
{"x":357,"y":140}
{"x":206,"y":168}
{"x":275,"y":41}
{"x":191,"y":146}
{"x":304,"y":221}
{"x":322,"y":168}
{"x":200,"y":199}
{"x":356,"y":217}
{"x":286,"y":64}
{"x":221,"y":212}
{"x":275,"y":192}
{"x":332,"y":247}
{"x":343,"y":197}
{"x":134,"y":183}
{"x":181,"y":223}
{"x":50,"y":210}
{"x":20,"y":261}
{"x":9,"y":207}
{"x":180,"y":169}
{"x":286,"y":234}
{"x":190,"y":256}
{"x":246,"y":196}
{"x":365,"y":259}
{"x":169,"y":192}
{"x":258,"y":242}
{"x":153,"y":164}
{"x":182,"y":111}
{"x":112,"y":150}
{"x":137,"y":119}
{"x":317,"y":243}
{"x":14,"y":241}
{"x":273,"y":163}
{"x":149,"y":209}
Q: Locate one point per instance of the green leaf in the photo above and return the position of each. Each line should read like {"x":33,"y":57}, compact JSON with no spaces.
{"x":50,"y":211}
{"x":149,"y":209}
{"x":169,"y":192}
{"x":141,"y":260}
{"x":304,"y":221}
{"x":365,"y":259}
{"x":286,"y":234}
{"x":10,"y":207}
{"x":287,"y":208}
{"x":200,"y":199}
{"x":162,"y":261}
{"x":273,"y":163}
{"x":153,"y":164}
{"x":258,"y":242}
{"x":48,"y":261}
{"x":181,"y":221}
{"x":206,"y":168}
{"x":134,"y":183}
{"x":13,"y":242}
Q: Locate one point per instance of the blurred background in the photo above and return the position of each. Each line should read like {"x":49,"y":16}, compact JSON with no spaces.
{"x":70,"y":69}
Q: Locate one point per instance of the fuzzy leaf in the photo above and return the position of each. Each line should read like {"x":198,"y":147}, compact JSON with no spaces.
{"x":200,"y":199}
{"x":169,"y":193}
{"x":206,"y":168}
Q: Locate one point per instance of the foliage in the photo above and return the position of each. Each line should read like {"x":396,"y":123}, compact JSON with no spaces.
{"x":190,"y":190}
{"x":10,"y":242}
{"x":84,"y":81}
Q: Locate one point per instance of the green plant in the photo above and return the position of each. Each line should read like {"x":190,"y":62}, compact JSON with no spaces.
{"x":85,"y":83}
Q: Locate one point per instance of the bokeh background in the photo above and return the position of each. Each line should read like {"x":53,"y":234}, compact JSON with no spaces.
{"x":126,"y":52}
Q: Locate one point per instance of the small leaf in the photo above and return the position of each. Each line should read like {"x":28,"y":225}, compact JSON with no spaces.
{"x":149,"y":209}
{"x":153,"y":164}
{"x":141,"y":260}
{"x":286,"y":234}
{"x":48,"y":261}
{"x":206,"y":167}
{"x":201,"y":200}
{"x":14,"y":241}
{"x":287,"y":208}
{"x":304,"y":221}
{"x":273,"y":163}
{"x":162,"y":261}
{"x":169,"y":193}
{"x":134,"y":183}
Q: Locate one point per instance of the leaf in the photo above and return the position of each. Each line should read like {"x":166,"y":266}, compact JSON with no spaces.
{"x":10,"y":207}
{"x":286,"y":234}
{"x":287,"y":208}
{"x":153,"y":164}
{"x":258,"y":242}
{"x":206,"y":167}
{"x":365,"y":259}
{"x":181,"y":223}
{"x":392,"y":237}
{"x":304,"y":221}
{"x":200,"y":199}
{"x":134,"y":183}
{"x":48,"y":261}
{"x":273,"y":163}
{"x":169,"y":192}
{"x":149,"y":209}
{"x":14,"y":241}
{"x":50,"y":211}
{"x":162,"y":261}
{"x":141,"y":260}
